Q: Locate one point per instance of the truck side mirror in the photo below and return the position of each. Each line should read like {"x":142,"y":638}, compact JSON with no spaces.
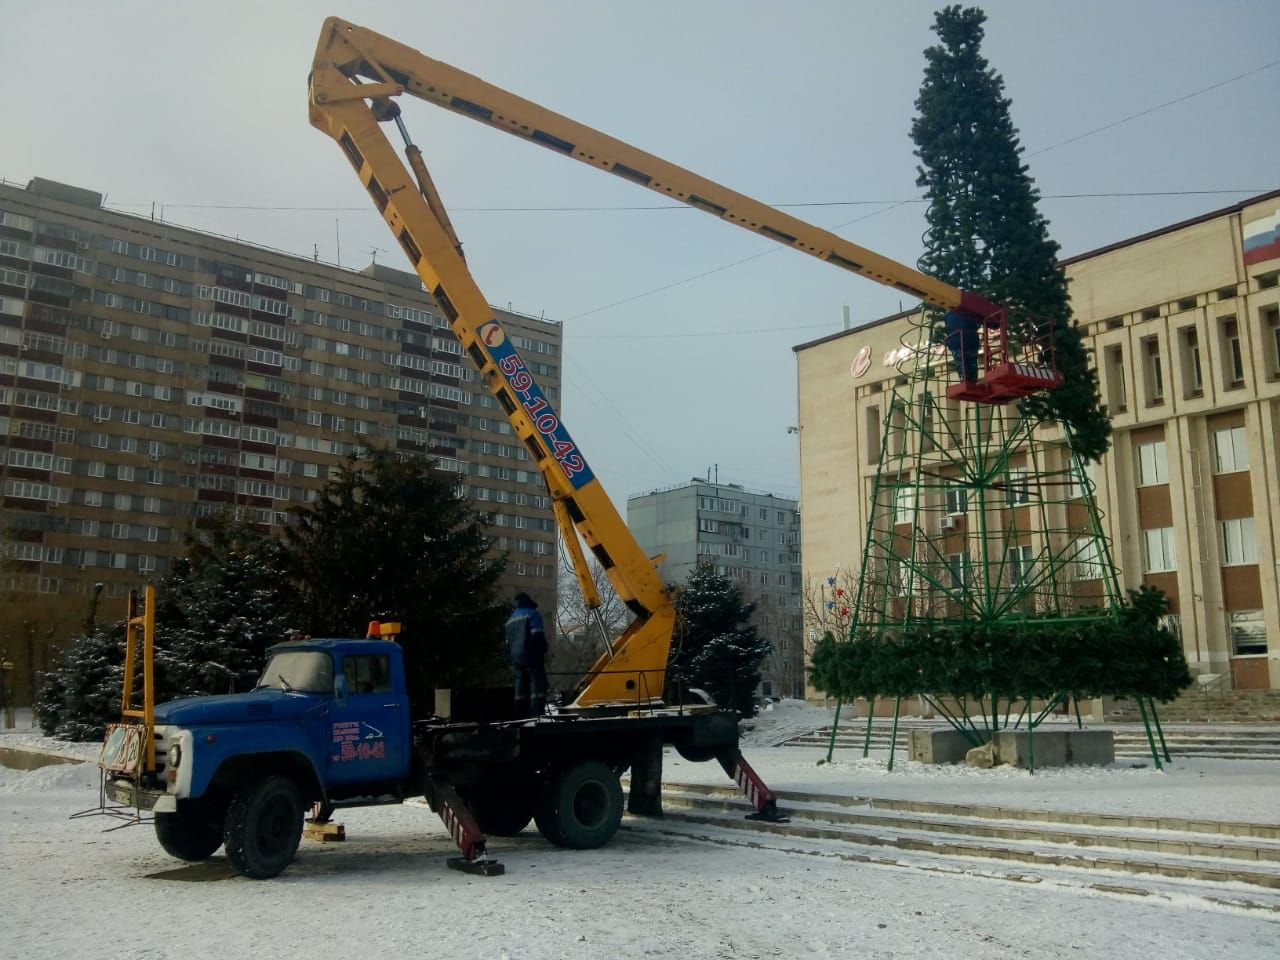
{"x":340,"y":689}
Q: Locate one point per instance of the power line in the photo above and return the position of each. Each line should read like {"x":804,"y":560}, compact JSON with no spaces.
{"x":1119,"y":194}
{"x":710,"y":333}
{"x":1151,"y":110}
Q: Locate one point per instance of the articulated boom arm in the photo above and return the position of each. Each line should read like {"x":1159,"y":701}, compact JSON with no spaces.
{"x":392,"y":68}
{"x":355,"y":74}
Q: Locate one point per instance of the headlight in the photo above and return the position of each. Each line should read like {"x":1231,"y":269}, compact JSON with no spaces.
{"x":175,"y":756}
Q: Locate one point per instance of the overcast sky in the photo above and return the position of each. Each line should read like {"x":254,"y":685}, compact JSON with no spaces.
{"x":678,"y":329}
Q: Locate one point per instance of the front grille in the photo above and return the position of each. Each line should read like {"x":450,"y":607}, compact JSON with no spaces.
{"x":162,"y":739}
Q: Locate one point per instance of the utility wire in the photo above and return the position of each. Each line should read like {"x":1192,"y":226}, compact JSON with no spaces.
{"x":1151,"y":110}
{"x":681,"y":206}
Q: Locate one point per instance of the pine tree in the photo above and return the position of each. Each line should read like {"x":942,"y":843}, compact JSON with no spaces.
{"x":392,"y":536}
{"x":220,"y":608}
{"x":81,"y":694}
{"x":718,"y":649}
{"x":223,"y":603}
{"x":985,"y":233}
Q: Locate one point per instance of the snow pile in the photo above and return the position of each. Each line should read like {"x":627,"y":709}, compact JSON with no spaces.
{"x":81,"y":777}
{"x":779,"y":722}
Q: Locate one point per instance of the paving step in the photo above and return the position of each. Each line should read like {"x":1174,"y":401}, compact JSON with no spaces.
{"x":1200,"y":850}
{"x":989,"y":811}
{"x":1130,"y":742}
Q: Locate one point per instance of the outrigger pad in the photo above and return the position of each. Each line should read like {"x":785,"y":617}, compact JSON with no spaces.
{"x":483,"y":868}
{"x":769,"y":815}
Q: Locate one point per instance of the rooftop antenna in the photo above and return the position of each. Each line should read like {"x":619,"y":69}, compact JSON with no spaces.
{"x":374,"y":251}
{"x":337,"y":235}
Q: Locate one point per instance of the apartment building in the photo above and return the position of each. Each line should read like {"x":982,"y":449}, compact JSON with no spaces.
{"x":750,"y":536}
{"x":151,"y":375}
{"x":1184,"y":323}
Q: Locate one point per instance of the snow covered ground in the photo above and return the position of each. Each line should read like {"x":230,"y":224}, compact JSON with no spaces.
{"x":69,"y":890}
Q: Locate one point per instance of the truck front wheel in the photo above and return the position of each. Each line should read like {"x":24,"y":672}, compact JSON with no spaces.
{"x":264,"y":827}
{"x":580,"y":807}
{"x":190,"y":834}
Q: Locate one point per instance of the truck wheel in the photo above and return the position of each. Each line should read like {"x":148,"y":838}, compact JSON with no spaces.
{"x":580,"y":807}
{"x":188,"y":835}
{"x":264,"y":827}
{"x":502,"y":814}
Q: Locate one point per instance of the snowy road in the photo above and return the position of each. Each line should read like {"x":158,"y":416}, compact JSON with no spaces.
{"x":69,"y":891}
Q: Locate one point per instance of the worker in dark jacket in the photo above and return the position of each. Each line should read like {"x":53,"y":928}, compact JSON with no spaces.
{"x":527,"y":651}
{"x":963,"y":341}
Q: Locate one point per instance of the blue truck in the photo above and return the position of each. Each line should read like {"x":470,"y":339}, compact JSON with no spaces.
{"x":329,"y":726}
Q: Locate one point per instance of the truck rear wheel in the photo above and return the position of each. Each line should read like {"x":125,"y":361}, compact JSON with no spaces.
{"x":502,"y":810}
{"x":580,"y":807}
{"x":264,"y":827}
{"x":189,"y":834}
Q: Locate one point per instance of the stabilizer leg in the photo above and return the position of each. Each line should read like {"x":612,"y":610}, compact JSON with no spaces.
{"x":736,"y":766}
{"x":466,"y":833}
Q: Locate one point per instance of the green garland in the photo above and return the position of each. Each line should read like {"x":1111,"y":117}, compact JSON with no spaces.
{"x":1127,"y":653}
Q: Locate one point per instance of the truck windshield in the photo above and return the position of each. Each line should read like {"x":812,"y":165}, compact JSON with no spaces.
{"x":306,"y":671}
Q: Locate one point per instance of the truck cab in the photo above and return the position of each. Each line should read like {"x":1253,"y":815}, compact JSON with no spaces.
{"x":328,"y":721}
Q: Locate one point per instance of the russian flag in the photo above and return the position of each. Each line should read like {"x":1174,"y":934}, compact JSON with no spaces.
{"x":1262,"y":239}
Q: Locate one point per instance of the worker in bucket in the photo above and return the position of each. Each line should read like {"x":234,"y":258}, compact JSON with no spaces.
{"x":963,"y":342}
{"x":527,"y":651}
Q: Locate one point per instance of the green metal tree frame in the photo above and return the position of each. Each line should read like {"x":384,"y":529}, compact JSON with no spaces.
{"x":977,"y":514}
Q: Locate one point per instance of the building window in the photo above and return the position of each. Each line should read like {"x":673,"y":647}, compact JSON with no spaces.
{"x":1019,"y":559}
{"x":1157,"y":550}
{"x":1154,"y":370}
{"x":1230,"y":450}
{"x":1232,"y":353}
{"x":873,"y":431}
{"x":1153,"y":463}
{"x":961,"y":571}
{"x":1238,"y":543}
{"x":1088,"y":559}
{"x":1017,"y":490}
{"x":1271,"y":331}
{"x":1248,"y":631}
{"x":1192,"y":367}
{"x":957,"y":500}
{"x":1082,"y":479}
{"x":904,"y":504}
{"x":1117,"y":398}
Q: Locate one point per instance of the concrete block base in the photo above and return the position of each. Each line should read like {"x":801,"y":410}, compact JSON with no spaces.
{"x":1057,"y":748}
{"x":943,"y":745}
{"x":1053,"y":748}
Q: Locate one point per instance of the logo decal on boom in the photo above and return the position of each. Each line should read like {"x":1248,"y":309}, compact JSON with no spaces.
{"x":536,"y":405}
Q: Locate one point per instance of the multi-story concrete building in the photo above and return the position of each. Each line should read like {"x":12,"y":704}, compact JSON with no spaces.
{"x":748,"y":535}
{"x":1184,"y":323}
{"x":151,"y":375}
